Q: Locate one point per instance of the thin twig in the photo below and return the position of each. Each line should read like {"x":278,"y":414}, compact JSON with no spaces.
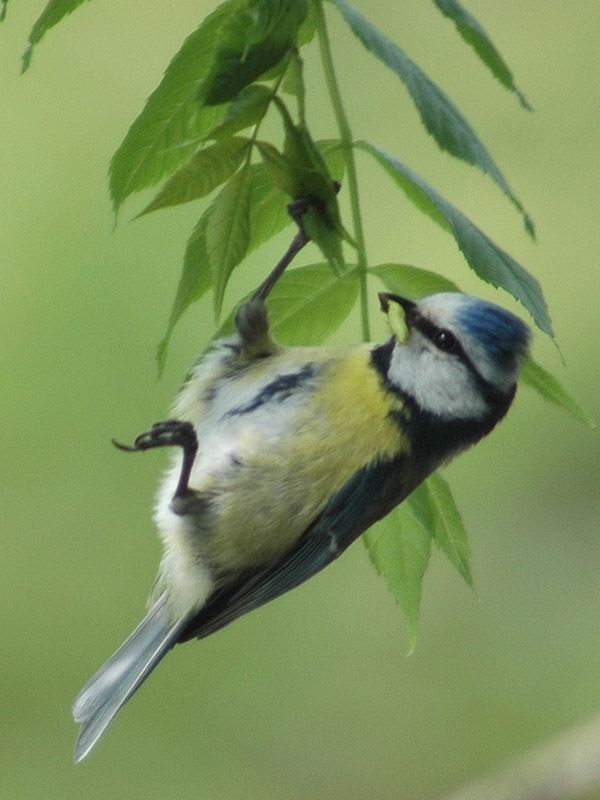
{"x":565,"y":767}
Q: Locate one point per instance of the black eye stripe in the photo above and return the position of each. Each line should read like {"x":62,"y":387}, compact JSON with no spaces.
{"x":431,"y":331}
{"x":436,"y":335}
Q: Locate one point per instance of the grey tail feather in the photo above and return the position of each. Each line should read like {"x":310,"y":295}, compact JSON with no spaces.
{"x":106,"y":693}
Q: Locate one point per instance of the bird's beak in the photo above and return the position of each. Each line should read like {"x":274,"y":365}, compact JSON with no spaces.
{"x":400,"y":323}
{"x":386,"y":297}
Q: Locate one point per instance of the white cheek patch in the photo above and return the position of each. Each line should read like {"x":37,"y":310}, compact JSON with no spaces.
{"x":438,"y":382}
{"x":493,"y":339}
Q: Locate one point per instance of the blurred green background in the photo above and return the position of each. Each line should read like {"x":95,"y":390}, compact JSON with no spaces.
{"x":313,"y":695}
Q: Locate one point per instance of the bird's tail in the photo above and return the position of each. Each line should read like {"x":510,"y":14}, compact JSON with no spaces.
{"x":111,"y":687}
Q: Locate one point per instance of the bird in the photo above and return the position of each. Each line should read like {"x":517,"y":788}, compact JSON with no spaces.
{"x":283,"y":456}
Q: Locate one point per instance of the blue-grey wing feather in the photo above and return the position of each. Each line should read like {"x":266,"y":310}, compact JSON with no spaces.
{"x":109,"y":689}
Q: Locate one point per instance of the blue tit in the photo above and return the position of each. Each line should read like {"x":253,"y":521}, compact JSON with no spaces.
{"x":285,"y":455}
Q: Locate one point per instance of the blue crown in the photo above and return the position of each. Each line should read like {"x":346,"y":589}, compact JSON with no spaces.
{"x":504,"y":336}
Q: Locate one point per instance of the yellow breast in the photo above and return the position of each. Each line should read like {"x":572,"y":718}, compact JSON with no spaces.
{"x":281,"y":485}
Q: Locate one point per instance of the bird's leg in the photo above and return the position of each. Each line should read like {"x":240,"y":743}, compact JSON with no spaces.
{"x":171,"y":433}
{"x":296,"y":210}
{"x":252,"y":319}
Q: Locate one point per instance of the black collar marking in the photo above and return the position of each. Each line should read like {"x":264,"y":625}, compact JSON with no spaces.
{"x":434,"y":437}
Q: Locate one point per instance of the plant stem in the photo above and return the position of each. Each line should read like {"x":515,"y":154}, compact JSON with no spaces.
{"x":564,"y":767}
{"x":347,"y":144}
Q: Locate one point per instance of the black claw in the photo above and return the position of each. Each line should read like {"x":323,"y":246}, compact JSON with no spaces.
{"x":126,"y":447}
{"x":169,"y":433}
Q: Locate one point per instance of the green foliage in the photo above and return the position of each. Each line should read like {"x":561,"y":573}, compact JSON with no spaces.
{"x":400,"y":545}
{"x":411,"y":282}
{"x":472,"y":32}
{"x":489,"y":261}
{"x":307,"y":304}
{"x":172,"y":124}
{"x":246,"y":109}
{"x":195,"y":281}
{"x":399,"y":548}
{"x":53,"y":13}
{"x":258,"y":36}
{"x":439,"y":115}
{"x":268,"y":216}
{"x":202,"y":173}
{"x":449,"y":533}
{"x":228,"y":230}
{"x":535,"y":376}
{"x":201,"y":132}
{"x":301,"y":171}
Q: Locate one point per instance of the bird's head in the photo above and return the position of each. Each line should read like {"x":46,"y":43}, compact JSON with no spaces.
{"x":458,"y":356}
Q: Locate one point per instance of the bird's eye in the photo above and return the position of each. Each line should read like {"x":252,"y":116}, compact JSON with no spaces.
{"x":446,"y":341}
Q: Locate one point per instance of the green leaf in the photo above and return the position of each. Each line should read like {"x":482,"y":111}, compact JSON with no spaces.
{"x":304,"y":182}
{"x":438,"y":113}
{"x":419,"y":502}
{"x":300,"y":181}
{"x":50,"y":16}
{"x":311,"y":171}
{"x":325,"y":236}
{"x":248,"y":108}
{"x":167,"y":131}
{"x":302,"y":171}
{"x":279,"y":168}
{"x":268,"y":216}
{"x":308,"y":169}
{"x":399,"y":547}
{"x":293,"y":81}
{"x":268,"y":208}
{"x":254,"y":39}
{"x":205,"y":170}
{"x":53,"y":13}
{"x":228,"y":231}
{"x":310,"y":303}
{"x":195,"y":281}
{"x":416,"y":190}
{"x":335,"y":157}
{"x":412,"y":282}
{"x":266,"y":16}
{"x":474,"y":34}
{"x":449,"y":531}
{"x":546,"y":385}
{"x":489,"y":261}
{"x":308,"y":28}
{"x":307,"y":305}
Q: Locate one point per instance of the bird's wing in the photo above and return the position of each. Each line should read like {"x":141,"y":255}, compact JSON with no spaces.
{"x":368,"y":496}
